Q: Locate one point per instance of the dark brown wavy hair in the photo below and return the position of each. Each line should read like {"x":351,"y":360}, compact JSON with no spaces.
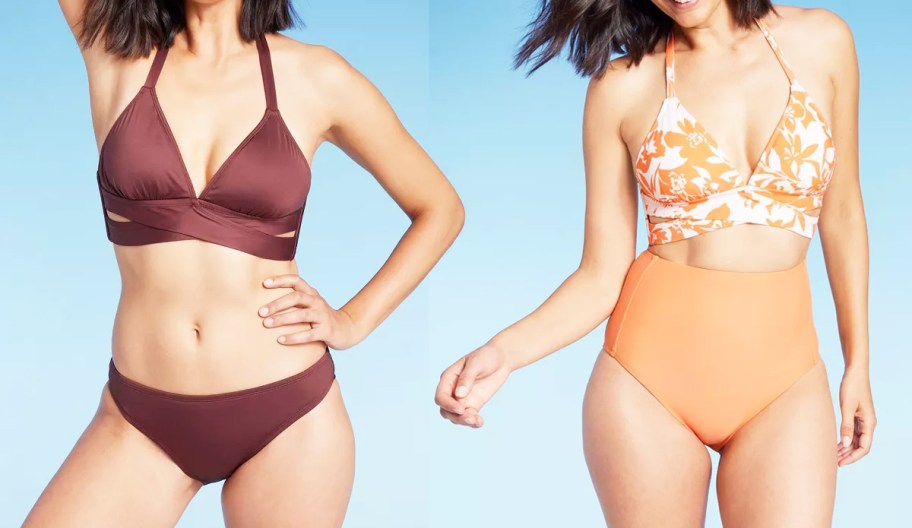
{"x":594,"y":29}
{"x":131,"y":28}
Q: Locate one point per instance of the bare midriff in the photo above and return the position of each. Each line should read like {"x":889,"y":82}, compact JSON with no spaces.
{"x":187,"y":319}
{"x":744,"y":247}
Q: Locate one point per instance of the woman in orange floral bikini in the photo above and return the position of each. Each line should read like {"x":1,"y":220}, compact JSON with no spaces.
{"x":710,"y":338}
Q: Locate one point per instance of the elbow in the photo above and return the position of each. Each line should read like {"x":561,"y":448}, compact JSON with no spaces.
{"x":457,"y":215}
{"x":445,"y":215}
{"x":843,"y":217}
{"x":601,"y":283}
{"x":454,"y":217}
{"x":604,"y":279}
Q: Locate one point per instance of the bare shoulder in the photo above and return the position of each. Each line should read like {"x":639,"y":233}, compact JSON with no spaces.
{"x":320,"y":67}
{"x":819,"y":29}
{"x":627,"y":89}
{"x":819,"y":20}
{"x":623,"y":78}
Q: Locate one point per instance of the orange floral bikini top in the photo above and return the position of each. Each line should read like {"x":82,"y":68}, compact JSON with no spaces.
{"x":689,"y":185}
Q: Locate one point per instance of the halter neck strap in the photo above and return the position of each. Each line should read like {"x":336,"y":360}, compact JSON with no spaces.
{"x":775,"y":46}
{"x":160,"y":54}
{"x":266,"y":70}
{"x":670,"y":57}
{"x":669,"y":64}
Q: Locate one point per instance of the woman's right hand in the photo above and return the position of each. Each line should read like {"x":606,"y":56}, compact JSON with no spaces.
{"x":469,"y":383}
{"x":585,"y":299}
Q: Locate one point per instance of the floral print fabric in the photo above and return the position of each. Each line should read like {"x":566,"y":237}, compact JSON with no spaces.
{"x":684,"y":176}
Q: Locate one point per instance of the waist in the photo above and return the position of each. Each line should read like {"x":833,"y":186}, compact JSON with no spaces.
{"x":193,"y":327}
{"x":678,"y":289}
{"x":746,"y":248}
{"x":669,"y":298}
{"x":183,"y":271}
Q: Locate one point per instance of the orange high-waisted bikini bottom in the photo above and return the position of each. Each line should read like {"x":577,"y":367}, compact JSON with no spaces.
{"x":714,"y":347}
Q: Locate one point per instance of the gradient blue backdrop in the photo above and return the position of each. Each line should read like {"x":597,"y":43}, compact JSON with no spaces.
{"x":512,"y":148}
{"x":60,"y":281}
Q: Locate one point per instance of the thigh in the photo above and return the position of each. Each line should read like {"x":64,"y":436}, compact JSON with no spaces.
{"x":303,"y":477}
{"x":114,"y":476}
{"x":780,"y":468}
{"x":648,"y":469}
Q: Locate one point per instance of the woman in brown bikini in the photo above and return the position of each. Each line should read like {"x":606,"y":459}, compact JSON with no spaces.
{"x":206,"y":120}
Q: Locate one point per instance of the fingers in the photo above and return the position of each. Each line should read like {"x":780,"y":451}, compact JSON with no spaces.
{"x":312,"y":308}
{"x":469,"y":418}
{"x":847,"y":429}
{"x":467,"y":377}
{"x":317,"y":333}
{"x":290,"y":300}
{"x":445,"y":388}
{"x":846,"y":433}
{"x":844,"y":448}
{"x":863,"y":437}
{"x":290,"y":281}
{"x":306,"y":315}
{"x":455,"y":385}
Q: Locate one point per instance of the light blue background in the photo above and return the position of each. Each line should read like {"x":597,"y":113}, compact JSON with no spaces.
{"x":513,"y":147}
{"x":60,"y":281}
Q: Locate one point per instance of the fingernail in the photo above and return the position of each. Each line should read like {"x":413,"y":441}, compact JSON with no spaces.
{"x":281,"y":339}
{"x":845,"y":441}
{"x":267,"y":282}
{"x":269,"y":321}
{"x":461,"y":391}
{"x":263,"y":311}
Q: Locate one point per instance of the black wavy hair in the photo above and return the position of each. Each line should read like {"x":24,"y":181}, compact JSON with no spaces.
{"x":131,"y":28}
{"x":594,"y":29}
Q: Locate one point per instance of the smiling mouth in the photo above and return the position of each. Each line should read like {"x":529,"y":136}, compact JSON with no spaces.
{"x":684,"y":3}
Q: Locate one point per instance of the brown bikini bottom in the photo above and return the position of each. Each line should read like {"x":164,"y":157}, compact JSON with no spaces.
{"x":210,"y":435}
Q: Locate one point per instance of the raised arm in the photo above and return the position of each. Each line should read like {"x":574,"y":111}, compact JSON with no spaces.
{"x":588,"y":295}
{"x":72,"y":12}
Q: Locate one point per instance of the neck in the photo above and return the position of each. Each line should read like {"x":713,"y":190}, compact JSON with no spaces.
{"x":212,"y":27}
{"x":719,"y":32}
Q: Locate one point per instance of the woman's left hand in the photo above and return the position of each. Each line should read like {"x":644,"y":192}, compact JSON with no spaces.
{"x":305,"y":305}
{"x":858,"y":419}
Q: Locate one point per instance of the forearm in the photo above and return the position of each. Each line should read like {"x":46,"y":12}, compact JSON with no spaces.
{"x":579,"y":304}
{"x":845,"y":248}
{"x":425,"y":241}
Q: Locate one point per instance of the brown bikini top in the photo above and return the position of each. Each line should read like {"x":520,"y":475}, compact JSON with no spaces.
{"x":258,"y":193}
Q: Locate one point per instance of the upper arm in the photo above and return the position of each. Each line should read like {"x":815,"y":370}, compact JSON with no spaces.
{"x":611,"y":189}
{"x":365,"y":127}
{"x":843,"y":191}
{"x":95,"y":55}
{"x":96,"y":59}
{"x":73,"y":11}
